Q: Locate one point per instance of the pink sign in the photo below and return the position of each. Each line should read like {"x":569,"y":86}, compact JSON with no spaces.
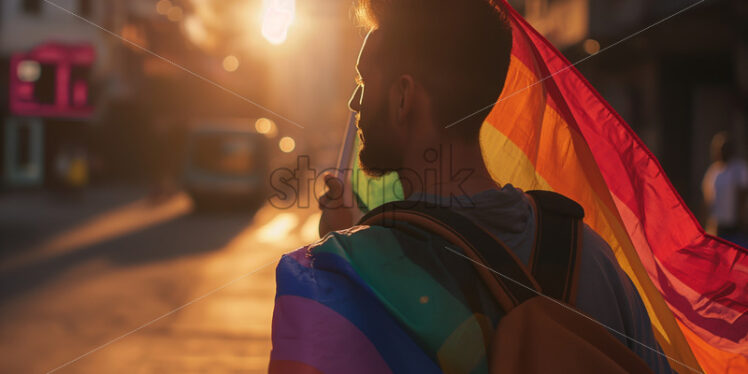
{"x":52,"y":80}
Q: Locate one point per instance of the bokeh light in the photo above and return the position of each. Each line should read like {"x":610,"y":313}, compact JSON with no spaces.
{"x":276,"y":20}
{"x":263,"y":125}
{"x":287,"y":144}
{"x":591,"y":46}
{"x":195,"y":30}
{"x":163,"y":6}
{"x":267,"y":127}
{"x":174,"y":14}
{"x":230,"y":63}
{"x":29,"y":71}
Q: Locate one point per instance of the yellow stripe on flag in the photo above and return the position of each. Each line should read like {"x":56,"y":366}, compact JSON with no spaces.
{"x":527,"y":143}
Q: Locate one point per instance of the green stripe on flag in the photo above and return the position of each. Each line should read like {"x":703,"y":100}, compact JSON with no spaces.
{"x":428,"y":311}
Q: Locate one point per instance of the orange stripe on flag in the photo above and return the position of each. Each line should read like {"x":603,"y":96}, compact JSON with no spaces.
{"x":527,"y":143}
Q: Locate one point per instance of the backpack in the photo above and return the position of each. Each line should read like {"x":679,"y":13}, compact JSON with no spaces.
{"x":540,"y":332}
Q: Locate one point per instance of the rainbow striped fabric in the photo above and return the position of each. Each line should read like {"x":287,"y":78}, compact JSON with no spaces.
{"x":550,"y":130}
{"x":377,"y":300}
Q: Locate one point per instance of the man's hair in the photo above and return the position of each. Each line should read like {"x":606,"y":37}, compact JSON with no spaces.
{"x":459,"y":50}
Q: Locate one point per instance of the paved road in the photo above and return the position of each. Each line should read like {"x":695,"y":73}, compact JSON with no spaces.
{"x":76,"y":276}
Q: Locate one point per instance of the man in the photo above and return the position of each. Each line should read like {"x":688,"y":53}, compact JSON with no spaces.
{"x":425,"y":69}
{"x":725,"y":188}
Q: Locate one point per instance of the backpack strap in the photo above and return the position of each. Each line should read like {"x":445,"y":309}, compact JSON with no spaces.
{"x":515,"y":284}
{"x":554,"y":260}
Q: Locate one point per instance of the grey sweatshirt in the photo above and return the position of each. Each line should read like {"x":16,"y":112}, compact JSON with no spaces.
{"x":605,"y":292}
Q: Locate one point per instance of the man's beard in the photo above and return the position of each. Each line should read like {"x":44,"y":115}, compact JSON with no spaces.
{"x":378,"y":155}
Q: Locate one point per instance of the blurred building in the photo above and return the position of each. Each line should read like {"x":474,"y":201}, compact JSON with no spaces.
{"x":78,"y":84}
{"x":48,"y":58}
{"x":121,"y":80}
{"x":676,"y":84}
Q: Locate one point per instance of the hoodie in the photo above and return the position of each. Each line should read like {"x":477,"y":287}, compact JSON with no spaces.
{"x":605,"y":293}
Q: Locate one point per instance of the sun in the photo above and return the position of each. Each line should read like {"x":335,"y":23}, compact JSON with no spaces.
{"x":277,"y":18}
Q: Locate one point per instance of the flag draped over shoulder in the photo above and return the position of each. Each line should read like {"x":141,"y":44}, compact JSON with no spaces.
{"x":550,"y":130}
{"x":377,"y":300}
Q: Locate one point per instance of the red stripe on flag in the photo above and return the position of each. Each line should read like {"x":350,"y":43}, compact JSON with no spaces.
{"x":688,"y":260}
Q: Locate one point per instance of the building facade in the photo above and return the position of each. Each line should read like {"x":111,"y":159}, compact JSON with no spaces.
{"x":48,"y":60}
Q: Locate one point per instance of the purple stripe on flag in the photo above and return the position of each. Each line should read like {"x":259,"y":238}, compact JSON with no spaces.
{"x":302,"y":256}
{"x":307,"y":331}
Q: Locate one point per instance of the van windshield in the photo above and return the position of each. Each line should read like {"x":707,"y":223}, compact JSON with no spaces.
{"x":226,"y":154}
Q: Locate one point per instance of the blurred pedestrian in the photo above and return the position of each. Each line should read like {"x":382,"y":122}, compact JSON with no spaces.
{"x":725,"y":187}
{"x":77,"y":176}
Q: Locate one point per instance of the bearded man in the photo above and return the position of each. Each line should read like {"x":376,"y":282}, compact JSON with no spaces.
{"x":371,"y":299}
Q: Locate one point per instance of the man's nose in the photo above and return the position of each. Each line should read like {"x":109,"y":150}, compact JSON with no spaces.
{"x":354,"y":104}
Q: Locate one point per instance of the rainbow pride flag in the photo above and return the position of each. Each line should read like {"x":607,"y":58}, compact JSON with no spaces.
{"x":550,"y":130}
{"x":377,"y":300}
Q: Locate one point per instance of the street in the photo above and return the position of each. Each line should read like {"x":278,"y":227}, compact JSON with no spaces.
{"x":85,"y":284}
{"x":140,"y":139}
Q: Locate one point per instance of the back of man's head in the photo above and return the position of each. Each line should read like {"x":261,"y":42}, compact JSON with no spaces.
{"x":459,"y":50}
{"x":721,"y":147}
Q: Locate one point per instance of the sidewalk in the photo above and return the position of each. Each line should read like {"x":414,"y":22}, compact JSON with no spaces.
{"x":26,"y":217}
{"x":114,"y":286}
{"x":227,"y":331}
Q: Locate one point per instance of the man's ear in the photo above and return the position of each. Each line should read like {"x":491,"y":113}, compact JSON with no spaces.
{"x":405,"y":89}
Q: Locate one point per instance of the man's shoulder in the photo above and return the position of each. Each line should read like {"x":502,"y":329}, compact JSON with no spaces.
{"x":596,"y":247}
{"x":358,"y":235}
{"x":315,"y":270}
{"x":608,"y":295}
{"x":341,"y":242}
{"x":605,"y":291}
